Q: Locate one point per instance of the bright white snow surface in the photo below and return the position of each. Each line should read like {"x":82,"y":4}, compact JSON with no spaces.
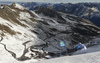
{"x":14,"y":43}
{"x":19,"y":6}
{"x":91,"y":55}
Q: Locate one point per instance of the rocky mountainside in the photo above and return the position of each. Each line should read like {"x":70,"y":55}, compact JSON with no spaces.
{"x":90,"y":11}
{"x":68,"y":27}
{"x":27,"y":34}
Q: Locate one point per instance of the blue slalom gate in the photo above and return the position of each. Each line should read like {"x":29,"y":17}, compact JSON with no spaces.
{"x":62,"y":44}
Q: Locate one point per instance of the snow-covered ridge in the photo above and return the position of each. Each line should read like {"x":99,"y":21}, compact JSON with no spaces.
{"x":23,"y":37}
{"x":94,"y":9}
{"x":18,"y":6}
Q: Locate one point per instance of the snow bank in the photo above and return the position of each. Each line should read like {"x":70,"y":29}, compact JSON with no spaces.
{"x":83,"y":58}
{"x":91,"y":55}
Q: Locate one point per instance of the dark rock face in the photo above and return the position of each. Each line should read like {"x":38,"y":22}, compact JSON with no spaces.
{"x":50,"y":12}
{"x":71,"y":28}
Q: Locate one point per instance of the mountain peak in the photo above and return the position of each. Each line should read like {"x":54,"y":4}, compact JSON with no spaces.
{"x":18,"y":6}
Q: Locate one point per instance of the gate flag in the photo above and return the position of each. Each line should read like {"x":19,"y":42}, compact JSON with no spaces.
{"x":62,"y":43}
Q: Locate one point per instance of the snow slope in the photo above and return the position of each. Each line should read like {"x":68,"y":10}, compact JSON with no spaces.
{"x":13,"y":46}
{"x":91,"y":55}
{"x":85,"y":58}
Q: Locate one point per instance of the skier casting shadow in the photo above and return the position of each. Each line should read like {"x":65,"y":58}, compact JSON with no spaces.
{"x":81,"y":46}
